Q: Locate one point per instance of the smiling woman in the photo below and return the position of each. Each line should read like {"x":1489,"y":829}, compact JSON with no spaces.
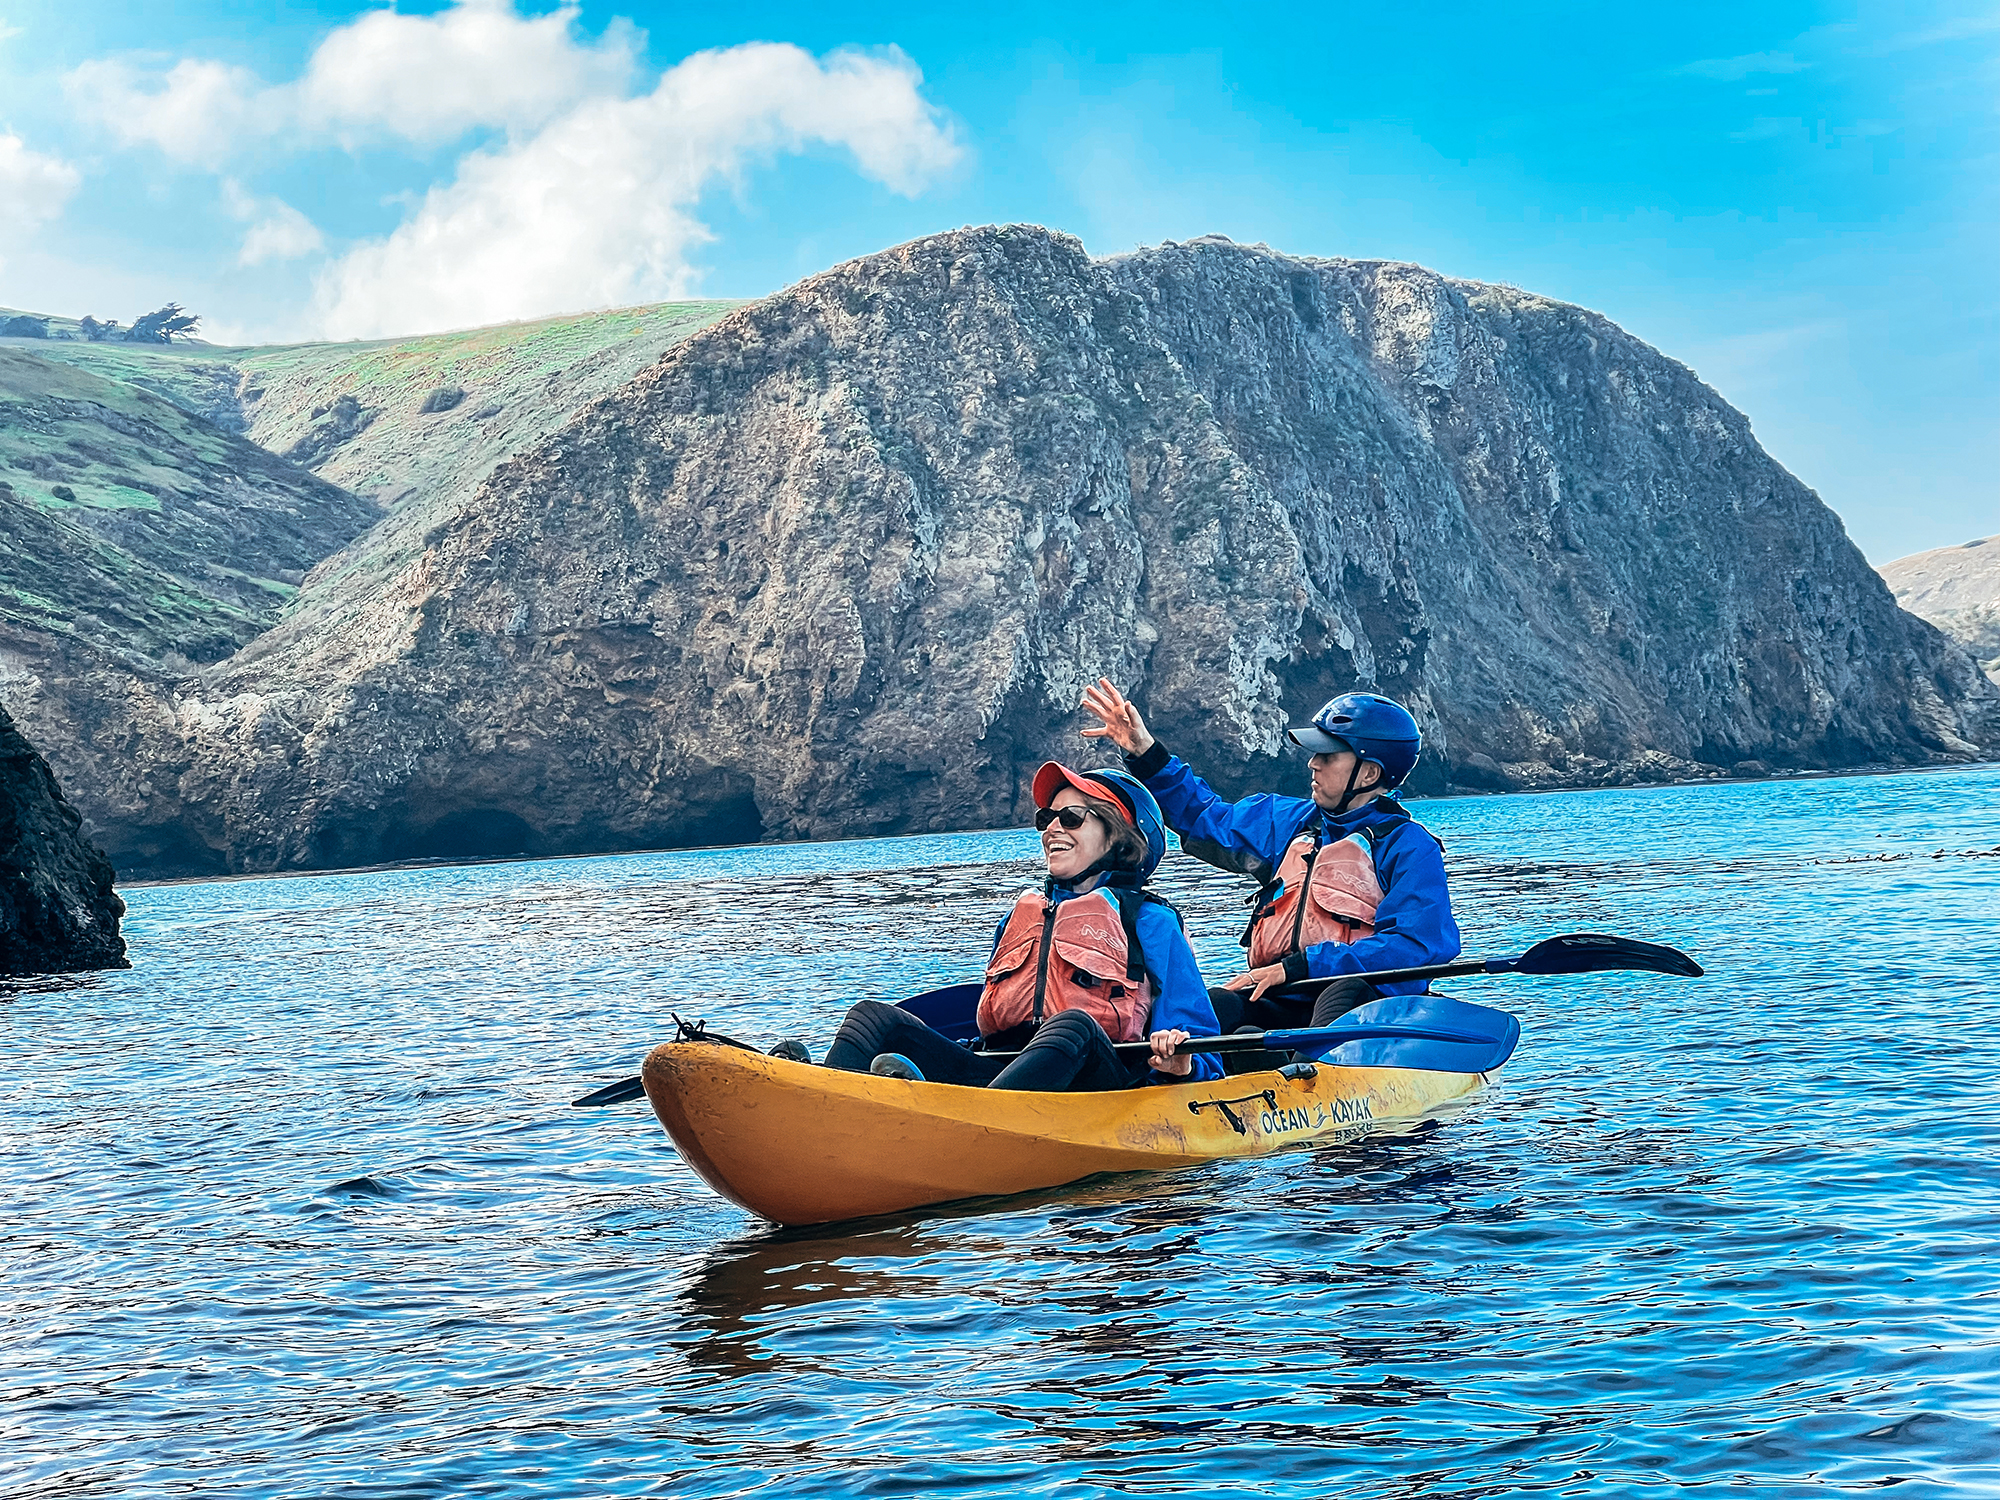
{"x":1090,"y":959}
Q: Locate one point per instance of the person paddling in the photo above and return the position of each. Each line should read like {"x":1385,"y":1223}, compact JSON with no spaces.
{"x":1087,"y":959}
{"x":1348,"y":881}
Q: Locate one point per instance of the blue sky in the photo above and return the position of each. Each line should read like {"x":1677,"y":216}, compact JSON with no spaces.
{"x":1800,"y":201}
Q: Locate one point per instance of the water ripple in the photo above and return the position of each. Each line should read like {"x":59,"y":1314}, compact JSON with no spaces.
{"x":297,"y":1205}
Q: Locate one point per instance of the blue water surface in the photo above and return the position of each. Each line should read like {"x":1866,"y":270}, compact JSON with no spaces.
{"x":297,"y":1206}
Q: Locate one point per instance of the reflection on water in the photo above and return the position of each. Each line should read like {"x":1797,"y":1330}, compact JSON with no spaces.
{"x":297,"y":1205}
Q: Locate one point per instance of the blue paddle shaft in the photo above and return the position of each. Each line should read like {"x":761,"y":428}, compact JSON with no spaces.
{"x":1310,"y":1036}
{"x":1432,"y":1033}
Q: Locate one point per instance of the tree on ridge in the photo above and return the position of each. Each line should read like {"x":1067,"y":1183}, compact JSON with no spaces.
{"x":163,"y":325}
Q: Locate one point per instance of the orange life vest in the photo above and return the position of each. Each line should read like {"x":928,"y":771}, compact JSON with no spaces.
{"x":1323,"y":893}
{"x":1066,"y":955}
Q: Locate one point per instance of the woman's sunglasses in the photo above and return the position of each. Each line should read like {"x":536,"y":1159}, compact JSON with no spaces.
{"x":1070,"y":817}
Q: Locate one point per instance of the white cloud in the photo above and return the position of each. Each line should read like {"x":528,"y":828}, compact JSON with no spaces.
{"x":431,"y":78}
{"x":33,"y":187}
{"x":597,"y":208}
{"x":197,"y":112}
{"x":583,"y":194}
{"x":423,"y":79}
{"x":277,"y":230}
{"x":1959,"y":29}
{"x":283,"y":234}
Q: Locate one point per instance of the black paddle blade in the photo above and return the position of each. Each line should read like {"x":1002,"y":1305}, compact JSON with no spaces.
{"x":611,"y":1093}
{"x":1596,"y":952}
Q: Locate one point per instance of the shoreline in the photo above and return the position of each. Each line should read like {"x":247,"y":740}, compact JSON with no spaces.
{"x":1720,"y":779}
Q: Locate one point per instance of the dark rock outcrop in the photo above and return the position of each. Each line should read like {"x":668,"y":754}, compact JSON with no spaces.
{"x":57,"y":909}
{"x":842,"y":562}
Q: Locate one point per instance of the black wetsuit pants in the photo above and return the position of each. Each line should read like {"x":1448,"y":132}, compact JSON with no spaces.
{"x":1069,"y":1052}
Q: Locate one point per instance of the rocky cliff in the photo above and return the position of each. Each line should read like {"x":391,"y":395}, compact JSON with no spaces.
{"x":1958,"y":590}
{"x":57,"y":908}
{"x":136,"y":543}
{"x":138,"y":540}
{"x":841,"y":562}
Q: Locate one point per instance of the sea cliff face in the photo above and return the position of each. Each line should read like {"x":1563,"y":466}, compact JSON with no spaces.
{"x":57,"y":909}
{"x":841,"y":563}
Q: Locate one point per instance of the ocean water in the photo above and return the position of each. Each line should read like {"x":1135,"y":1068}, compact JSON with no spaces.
{"x":297,"y":1206}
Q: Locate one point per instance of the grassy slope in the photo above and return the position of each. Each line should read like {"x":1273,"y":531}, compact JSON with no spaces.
{"x":200,"y":378}
{"x":1958,"y":590}
{"x":353,"y":413}
{"x":520,"y":382}
{"x":131,"y":524}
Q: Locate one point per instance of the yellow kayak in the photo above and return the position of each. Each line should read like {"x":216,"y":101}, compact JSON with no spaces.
{"x":800,"y":1144}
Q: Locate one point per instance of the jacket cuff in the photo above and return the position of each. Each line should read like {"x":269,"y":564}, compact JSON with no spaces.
{"x":1149,"y":765}
{"x":1296,"y":968}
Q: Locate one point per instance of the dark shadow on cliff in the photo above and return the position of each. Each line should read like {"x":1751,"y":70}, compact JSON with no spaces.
{"x":714,"y":807}
{"x":470,"y":833}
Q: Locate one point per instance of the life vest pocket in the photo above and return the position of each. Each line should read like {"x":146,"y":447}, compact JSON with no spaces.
{"x":1342,"y":906}
{"x":1108,"y":968}
{"x":1009,"y":957}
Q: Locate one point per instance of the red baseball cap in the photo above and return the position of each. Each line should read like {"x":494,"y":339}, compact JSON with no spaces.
{"x":1054,"y":776}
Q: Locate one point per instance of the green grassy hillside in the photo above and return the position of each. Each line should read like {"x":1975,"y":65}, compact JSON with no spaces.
{"x":400,"y":419}
{"x":202,"y":378}
{"x":129,"y":524}
{"x":405,"y":423}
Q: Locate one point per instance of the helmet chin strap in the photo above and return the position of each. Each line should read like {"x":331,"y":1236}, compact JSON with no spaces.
{"x":1347,"y":792}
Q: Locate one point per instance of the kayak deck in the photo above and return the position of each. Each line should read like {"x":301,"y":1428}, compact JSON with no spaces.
{"x":800,"y":1144}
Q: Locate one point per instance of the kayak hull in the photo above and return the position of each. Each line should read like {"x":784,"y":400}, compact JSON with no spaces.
{"x":799,"y":1144}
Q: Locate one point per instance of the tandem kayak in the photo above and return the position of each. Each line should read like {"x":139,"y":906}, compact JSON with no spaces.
{"x":799,"y":1144}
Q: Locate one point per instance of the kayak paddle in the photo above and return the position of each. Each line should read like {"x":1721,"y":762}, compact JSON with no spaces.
{"x":1434,"y":1033}
{"x":1428,"y":1032}
{"x":1572,"y":953}
{"x":611,"y":1093}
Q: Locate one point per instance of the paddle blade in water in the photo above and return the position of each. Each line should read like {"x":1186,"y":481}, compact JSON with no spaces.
{"x":611,"y":1093}
{"x":1597,"y":953}
{"x":1432,"y":1032}
{"x":1430,"y":1056}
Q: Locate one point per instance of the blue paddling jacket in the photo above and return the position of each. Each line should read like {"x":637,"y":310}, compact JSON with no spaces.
{"x":1413,"y":924}
{"x":1180,"y":1001}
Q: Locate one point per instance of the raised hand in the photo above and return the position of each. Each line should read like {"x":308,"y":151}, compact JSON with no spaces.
{"x":1122,"y":724}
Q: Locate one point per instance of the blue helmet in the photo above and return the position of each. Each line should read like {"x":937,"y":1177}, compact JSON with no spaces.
{"x":1373,"y":727}
{"x":1123,"y":788}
